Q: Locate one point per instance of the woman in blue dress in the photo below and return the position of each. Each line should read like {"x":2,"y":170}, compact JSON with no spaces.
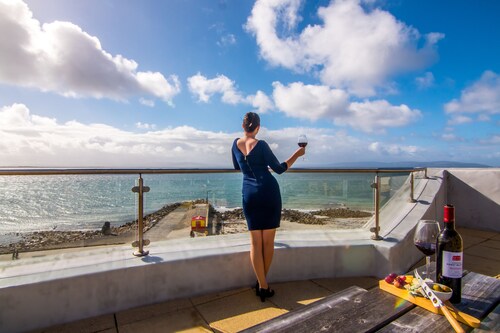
{"x":261,"y":196}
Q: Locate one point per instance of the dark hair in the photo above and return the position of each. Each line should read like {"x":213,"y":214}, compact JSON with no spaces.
{"x":251,"y":121}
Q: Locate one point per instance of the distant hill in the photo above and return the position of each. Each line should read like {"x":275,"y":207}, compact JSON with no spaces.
{"x":407,"y":164}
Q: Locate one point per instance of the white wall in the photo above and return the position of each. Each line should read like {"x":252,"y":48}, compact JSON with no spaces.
{"x":475,"y":193}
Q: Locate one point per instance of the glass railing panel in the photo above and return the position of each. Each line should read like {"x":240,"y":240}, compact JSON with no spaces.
{"x":392,"y":184}
{"x":174,"y":199}
{"x":72,"y":209}
{"x":326,"y":200}
{"x":52,"y":211}
{"x":418,"y":177}
{"x":310,"y":200}
{"x":313,"y":191}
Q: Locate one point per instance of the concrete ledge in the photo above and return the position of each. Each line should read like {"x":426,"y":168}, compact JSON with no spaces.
{"x":72,"y":286}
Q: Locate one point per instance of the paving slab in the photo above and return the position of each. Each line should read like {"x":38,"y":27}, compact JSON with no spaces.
{"x":492,"y":243}
{"x":481,"y":265}
{"x":217,"y":295}
{"x":477,"y":233}
{"x":338,"y":284}
{"x":296,"y":294}
{"x":237,"y":312}
{"x":469,"y":240}
{"x":186,"y":320}
{"x":105,"y":323}
{"x":153,"y":310}
{"x":490,"y":253}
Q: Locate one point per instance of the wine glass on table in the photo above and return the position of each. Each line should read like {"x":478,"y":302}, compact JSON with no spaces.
{"x":302,"y":142}
{"x":424,"y":239}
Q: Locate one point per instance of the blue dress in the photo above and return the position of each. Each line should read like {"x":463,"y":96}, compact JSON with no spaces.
{"x":261,"y":192}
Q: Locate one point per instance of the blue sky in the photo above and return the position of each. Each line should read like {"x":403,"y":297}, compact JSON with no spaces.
{"x":166,"y":83}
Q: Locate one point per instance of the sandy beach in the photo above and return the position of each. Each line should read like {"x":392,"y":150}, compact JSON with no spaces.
{"x":174,"y":221}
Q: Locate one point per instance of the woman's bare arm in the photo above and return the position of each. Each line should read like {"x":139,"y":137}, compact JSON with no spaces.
{"x":299,"y":152}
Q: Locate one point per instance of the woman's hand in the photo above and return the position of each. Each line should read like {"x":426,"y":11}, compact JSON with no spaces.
{"x":299,"y":152}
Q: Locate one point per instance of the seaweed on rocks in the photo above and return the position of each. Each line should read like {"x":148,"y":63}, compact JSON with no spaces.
{"x":341,"y":213}
{"x":300,"y":217}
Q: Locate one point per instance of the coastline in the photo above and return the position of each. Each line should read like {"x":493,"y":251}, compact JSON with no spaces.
{"x":220,"y":222}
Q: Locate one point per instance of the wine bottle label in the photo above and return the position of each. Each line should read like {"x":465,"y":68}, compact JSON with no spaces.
{"x":452,"y":264}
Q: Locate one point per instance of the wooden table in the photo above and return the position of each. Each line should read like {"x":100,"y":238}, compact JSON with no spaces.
{"x":358,"y":310}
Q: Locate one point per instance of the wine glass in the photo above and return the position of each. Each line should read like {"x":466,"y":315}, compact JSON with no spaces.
{"x":302,"y":142}
{"x":424,"y":239}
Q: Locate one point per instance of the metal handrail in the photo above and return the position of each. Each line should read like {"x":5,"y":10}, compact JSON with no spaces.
{"x":71,"y":171}
{"x":141,"y":189}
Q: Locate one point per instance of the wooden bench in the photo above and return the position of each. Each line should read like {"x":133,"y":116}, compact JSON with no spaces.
{"x":358,"y":310}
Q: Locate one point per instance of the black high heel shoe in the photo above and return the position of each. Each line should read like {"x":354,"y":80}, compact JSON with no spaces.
{"x":265,"y":293}
{"x":257,"y":288}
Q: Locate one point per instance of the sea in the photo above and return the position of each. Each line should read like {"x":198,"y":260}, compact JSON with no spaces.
{"x":85,"y":202}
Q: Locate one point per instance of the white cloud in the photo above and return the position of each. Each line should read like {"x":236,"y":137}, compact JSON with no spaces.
{"x":483,"y":117}
{"x":309,"y":101}
{"x":493,"y":140}
{"x":61,"y":57}
{"x":226,"y":40}
{"x":204,"y":88}
{"x":394,"y":149}
{"x":314,"y":102}
{"x":147,"y":102}
{"x":376,"y":116}
{"x":260,"y":101}
{"x":459,"y":120}
{"x":482,"y":97}
{"x":426,"y":81}
{"x":145,"y":125}
{"x":451,"y":137}
{"x":354,"y":48}
{"x":29,"y":139}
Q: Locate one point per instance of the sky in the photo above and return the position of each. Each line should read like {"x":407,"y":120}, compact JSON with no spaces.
{"x":165,"y":84}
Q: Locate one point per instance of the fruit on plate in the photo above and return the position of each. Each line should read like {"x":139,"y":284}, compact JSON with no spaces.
{"x":441,"y":287}
{"x":441,"y":291}
{"x":399,"y":281}
{"x":390,"y":278}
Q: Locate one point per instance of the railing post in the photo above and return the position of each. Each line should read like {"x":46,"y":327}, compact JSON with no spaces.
{"x":425,"y":173}
{"x":140,"y":190}
{"x":412,"y":184}
{"x":376,"y":229}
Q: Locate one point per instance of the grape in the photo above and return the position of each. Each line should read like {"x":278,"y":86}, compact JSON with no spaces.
{"x":390,"y":278}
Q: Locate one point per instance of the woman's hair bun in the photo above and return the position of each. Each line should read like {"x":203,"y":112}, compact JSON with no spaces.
{"x":251,"y":121}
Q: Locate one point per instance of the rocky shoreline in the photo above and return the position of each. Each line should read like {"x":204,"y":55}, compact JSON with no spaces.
{"x":43,"y":240}
{"x":319,"y":217}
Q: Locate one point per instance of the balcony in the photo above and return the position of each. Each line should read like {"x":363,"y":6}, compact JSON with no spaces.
{"x":202,"y":284}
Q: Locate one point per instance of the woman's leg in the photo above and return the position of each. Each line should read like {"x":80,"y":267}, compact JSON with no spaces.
{"x":268,"y":247}
{"x":257,"y":257}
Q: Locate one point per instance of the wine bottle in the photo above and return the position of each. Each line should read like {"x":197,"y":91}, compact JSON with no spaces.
{"x":449,"y":259}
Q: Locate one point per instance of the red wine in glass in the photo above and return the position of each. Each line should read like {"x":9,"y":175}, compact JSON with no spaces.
{"x":424,"y":239}
{"x":426,"y":248}
{"x":302,"y":141}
